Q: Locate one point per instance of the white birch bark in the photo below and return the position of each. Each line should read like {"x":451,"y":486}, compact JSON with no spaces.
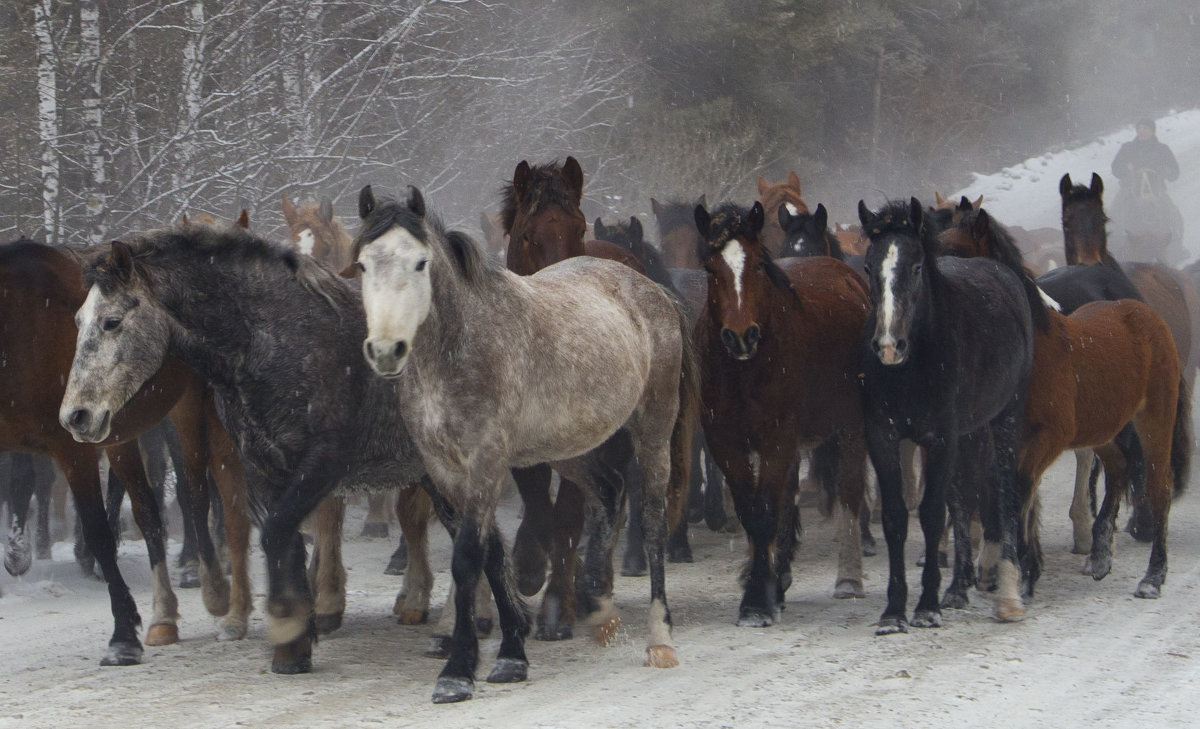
{"x":89,"y":62}
{"x":47,"y":86}
{"x":193,"y":90}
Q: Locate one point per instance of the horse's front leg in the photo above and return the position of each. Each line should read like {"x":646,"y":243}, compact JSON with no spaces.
{"x":963,"y":499}
{"x":940,"y":463}
{"x":1009,"y":497}
{"x":883,"y":445}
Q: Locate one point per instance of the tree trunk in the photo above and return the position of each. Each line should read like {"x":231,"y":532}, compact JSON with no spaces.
{"x":94,"y":151}
{"x":193,"y":90}
{"x":47,"y":85}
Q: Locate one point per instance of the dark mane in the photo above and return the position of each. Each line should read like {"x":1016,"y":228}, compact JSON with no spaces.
{"x":894,"y":217}
{"x":547,"y":186}
{"x":1003,"y":248}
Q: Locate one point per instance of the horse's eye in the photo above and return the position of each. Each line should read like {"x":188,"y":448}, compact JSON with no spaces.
{"x":110,"y":323}
{"x":359,"y":265}
{"x":421,"y":264}
{"x":916,"y":269}
{"x":866,"y":268}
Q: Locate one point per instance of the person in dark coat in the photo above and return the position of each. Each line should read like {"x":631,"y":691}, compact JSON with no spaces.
{"x":1145,"y":152}
{"x":1146,"y":223}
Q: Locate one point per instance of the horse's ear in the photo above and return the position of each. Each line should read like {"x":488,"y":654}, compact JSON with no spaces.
{"x":326,"y":210}
{"x":416,"y":201}
{"x":757,"y":218}
{"x":366,"y":202}
{"x":598,"y":230}
{"x":351,"y":271}
{"x":938,"y":199}
{"x":703,"y":220}
{"x":964,"y":204}
{"x":916,"y":216}
{"x":702,"y":200}
{"x":121,"y":259}
{"x":655,"y":207}
{"x":1065,"y":185}
{"x":794,"y":181}
{"x":243,"y":220}
{"x":520,"y":178}
{"x":185,"y":219}
{"x":978,"y":202}
{"x":1097,"y":185}
{"x":762,"y":186}
{"x":864,"y":215}
{"x":983,"y":223}
{"x":574,"y":174}
{"x":821,"y":217}
{"x":289,"y":210}
{"x":785,"y":216}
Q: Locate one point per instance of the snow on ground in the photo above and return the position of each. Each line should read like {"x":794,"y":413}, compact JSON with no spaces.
{"x":1089,"y":653}
{"x":1026,"y":194}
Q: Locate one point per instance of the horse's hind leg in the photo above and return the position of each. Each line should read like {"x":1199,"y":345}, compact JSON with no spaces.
{"x":851,"y":494}
{"x":126,"y":462}
{"x":187,"y":435}
{"x":376,"y":524}
{"x":532,"y":541}
{"x":1158,"y":492}
{"x":656,"y":465}
{"x":43,"y":474}
{"x":1082,"y":511}
{"x":414,"y":510}
{"x":556,"y":619}
{"x":963,"y":502}
{"x":327,"y":574}
{"x":633,"y":564}
{"x":1099,"y":561}
{"x":225,"y":467}
{"x":19,"y":556}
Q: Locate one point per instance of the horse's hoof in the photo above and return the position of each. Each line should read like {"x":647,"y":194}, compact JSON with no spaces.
{"x":681,"y":554}
{"x":375,"y":530}
{"x":232,"y":630}
{"x":162,"y":634}
{"x":483,"y":627}
{"x":397,"y":564}
{"x":955,"y":600}
{"x":122,"y":654}
{"x":661,"y":656}
{"x":605,"y":632}
{"x":891,"y":626}
{"x":452,"y":690}
{"x":869,"y":546}
{"x":1148,"y":591}
{"x":17,"y":563}
{"x":1081,"y":548}
{"x":326,"y":624}
{"x":554,"y":630}
{"x":439,"y":647}
{"x":1098,"y":566}
{"x":1141,"y":525}
{"x":755,"y":618}
{"x":926,"y":619}
{"x":634,"y":565}
{"x":189,"y":575}
{"x":1009,"y":610}
{"x":292,"y":658}
{"x":847,"y":589}
{"x":216,"y":595}
{"x":413,"y":617}
{"x":509,"y":670}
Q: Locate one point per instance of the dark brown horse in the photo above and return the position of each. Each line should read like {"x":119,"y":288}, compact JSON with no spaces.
{"x":779,"y":352}
{"x":677,"y":232}
{"x":44,"y":289}
{"x":544,"y":224}
{"x":773,"y":196}
{"x":1107,"y":364}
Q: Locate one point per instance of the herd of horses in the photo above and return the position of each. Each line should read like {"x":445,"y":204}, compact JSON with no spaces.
{"x":411,"y":360}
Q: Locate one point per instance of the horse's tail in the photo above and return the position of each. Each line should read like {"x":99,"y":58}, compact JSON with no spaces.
{"x":823,"y":466}
{"x":685,"y":422}
{"x":1181,"y":438}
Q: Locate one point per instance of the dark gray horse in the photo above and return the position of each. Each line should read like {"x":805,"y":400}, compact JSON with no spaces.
{"x":279,"y":337}
{"x":499,"y":371}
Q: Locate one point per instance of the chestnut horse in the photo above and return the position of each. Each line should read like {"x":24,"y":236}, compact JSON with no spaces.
{"x":44,"y":288}
{"x":1106,"y":364}
{"x":773,"y":196}
{"x":778,"y":346}
{"x":541,"y":216}
{"x":677,"y":232}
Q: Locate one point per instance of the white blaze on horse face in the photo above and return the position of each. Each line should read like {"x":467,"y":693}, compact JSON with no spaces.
{"x":306,"y":242}
{"x":735,"y":258}
{"x":397,"y":295}
{"x":886,"y":325}
{"x":792,"y":209}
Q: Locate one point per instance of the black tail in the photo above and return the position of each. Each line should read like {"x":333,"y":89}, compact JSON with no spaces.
{"x":1181,"y":439}
{"x":824,"y":468}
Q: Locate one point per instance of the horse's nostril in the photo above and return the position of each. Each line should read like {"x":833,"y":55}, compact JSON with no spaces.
{"x":79,"y":419}
{"x":875,"y":345}
{"x":901,"y":345}
{"x":400,"y":349}
{"x":370,"y":350}
{"x":753,"y":333}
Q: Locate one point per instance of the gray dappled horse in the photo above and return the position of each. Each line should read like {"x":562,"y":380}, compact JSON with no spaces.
{"x":496,"y":371}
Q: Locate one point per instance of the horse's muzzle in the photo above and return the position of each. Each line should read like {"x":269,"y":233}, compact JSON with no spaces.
{"x":86,"y":425}
{"x":386,"y":356}
{"x":890,"y":351}
{"x":742,"y":347}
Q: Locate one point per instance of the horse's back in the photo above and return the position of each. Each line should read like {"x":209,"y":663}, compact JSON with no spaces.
{"x":1075,"y":285}
{"x":1174,"y":297}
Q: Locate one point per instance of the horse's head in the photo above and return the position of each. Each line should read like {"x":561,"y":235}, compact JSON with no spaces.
{"x":804,"y":234}
{"x":628,"y":235}
{"x":899,"y":250}
{"x":495,"y":240}
{"x":1083,"y":221}
{"x":677,"y":234}
{"x":773,"y":196}
{"x":393,"y":251}
{"x":316,"y":232}
{"x":541,"y":215}
{"x":741,"y":275}
{"x":124,"y":332}
{"x":967,"y":233}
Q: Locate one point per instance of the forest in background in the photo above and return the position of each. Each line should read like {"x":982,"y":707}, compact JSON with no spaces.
{"x":121,"y":115}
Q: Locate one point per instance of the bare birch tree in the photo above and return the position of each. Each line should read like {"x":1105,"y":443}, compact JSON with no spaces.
{"x":48,"y":123}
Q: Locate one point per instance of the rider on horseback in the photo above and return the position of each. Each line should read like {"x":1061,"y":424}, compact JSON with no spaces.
{"x":1144,"y":216}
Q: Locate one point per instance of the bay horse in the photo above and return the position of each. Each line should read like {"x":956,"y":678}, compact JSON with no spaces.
{"x":497,"y":370}
{"x":767,"y":393}
{"x":947,"y":357}
{"x":1107,"y":364}
{"x":773,"y":196}
{"x":541,"y":215}
{"x":1170,"y":293}
{"x":22,"y":477}
{"x":808,"y":234}
{"x":277,"y":335}
{"x":44,"y":287}
{"x":677,"y":234}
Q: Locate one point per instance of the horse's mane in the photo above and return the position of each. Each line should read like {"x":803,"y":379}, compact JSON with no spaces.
{"x":728,"y":221}
{"x":469,"y":259}
{"x":1003,"y":248}
{"x":547,"y":186}
{"x":673,"y":214}
{"x":234,"y":245}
